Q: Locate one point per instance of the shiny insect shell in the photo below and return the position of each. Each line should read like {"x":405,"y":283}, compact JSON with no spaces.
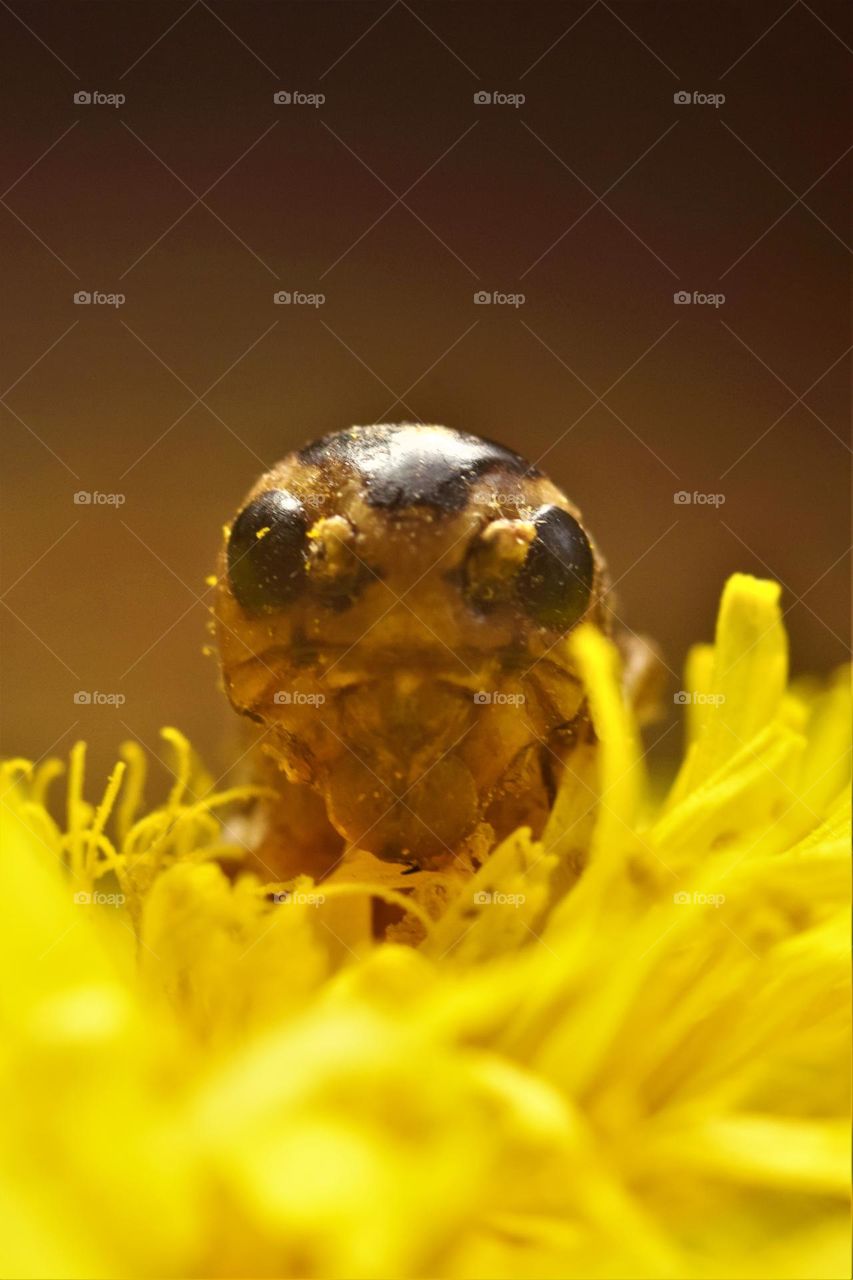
{"x":392,"y":610}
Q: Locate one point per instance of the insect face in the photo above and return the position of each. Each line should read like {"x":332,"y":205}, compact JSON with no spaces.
{"x":393,"y":605}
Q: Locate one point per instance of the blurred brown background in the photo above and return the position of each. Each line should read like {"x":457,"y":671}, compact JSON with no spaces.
{"x":398,"y":198}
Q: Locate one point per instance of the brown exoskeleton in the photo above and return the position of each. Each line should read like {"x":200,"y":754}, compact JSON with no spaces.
{"x":392,"y":610}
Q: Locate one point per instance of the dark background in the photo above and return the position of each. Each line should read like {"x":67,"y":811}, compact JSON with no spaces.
{"x":398,"y":199}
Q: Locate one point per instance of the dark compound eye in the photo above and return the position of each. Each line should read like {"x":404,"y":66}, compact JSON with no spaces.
{"x":266,"y":551}
{"x":555,"y":582}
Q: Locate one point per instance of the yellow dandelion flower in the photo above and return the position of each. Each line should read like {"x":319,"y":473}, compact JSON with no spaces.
{"x":622,"y":1051}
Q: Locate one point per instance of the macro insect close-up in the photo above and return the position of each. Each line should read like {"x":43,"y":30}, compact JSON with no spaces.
{"x":426,"y":707}
{"x":393,"y":607}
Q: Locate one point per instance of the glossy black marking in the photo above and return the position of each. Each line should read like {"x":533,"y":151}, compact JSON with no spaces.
{"x":267,"y":571}
{"x":408,"y":466}
{"x":555,"y":582}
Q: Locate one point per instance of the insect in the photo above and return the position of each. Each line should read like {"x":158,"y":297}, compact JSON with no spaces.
{"x":392,"y":612}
